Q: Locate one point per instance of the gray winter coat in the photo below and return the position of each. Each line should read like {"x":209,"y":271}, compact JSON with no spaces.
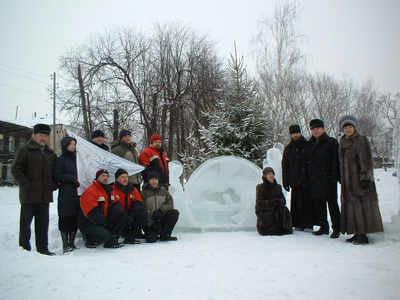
{"x":128,"y":151}
{"x":359,"y":207}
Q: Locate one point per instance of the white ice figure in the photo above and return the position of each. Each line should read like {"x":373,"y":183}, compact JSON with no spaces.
{"x":182,"y":201}
{"x":274,"y":160}
{"x":219,"y":194}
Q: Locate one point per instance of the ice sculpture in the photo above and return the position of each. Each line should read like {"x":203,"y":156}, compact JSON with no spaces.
{"x":220,"y":195}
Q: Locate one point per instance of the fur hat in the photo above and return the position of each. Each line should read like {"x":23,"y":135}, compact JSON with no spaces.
{"x":124,"y":132}
{"x":120,"y":172}
{"x":41,"y":128}
{"x":101,"y":171}
{"x":153,"y":175}
{"x":155,"y":137}
{"x":97,"y":133}
{"x":316,"y":123}
{"x":268,"y":170}
{"x":348,"y":120}
{"x":294,"y":129}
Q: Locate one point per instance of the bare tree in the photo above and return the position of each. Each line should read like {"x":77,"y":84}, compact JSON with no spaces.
{"x":279,"y":61}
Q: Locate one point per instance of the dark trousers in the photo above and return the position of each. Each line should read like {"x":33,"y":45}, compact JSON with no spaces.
{"x":98,"y":234}
{"x":68,"y":224}
{"x":41,"y":213}
{"x":132,"y":231}
{"x":302,"y":208}
{"x":320,"y":206}
{"x":165,"y":226}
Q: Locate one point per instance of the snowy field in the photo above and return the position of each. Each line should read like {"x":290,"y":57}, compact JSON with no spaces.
{"x":213,"y":265}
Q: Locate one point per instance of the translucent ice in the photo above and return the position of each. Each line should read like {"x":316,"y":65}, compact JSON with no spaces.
{"x":219,"y":194}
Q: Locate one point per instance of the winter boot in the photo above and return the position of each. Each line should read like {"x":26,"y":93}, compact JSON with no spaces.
{"x":113,"y":243}
{"x":64,"y":237}
{"x":89,"y":244}
{"x":167,"y":237}
{"x":361,"y":239}
{"x":352,"y":239}
{"x":71,"y":239}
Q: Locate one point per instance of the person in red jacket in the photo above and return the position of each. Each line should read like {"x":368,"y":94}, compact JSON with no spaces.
{"x":132,"y":205}
{"x":101,"y":219}
{"x":154,"y":159}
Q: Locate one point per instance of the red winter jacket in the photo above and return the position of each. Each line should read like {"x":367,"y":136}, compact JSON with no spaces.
{"x":95,"y":203}
{"x":155,"y":161}
{"x":132,"y":194}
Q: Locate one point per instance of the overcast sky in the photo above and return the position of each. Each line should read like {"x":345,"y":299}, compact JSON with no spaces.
{"x":360,"y":38}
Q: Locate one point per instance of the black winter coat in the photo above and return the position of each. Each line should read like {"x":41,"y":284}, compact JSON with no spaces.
{"x":65,"y":173}
{"x":292,"y":163}
{"x":273,"y":217}
{"x":32,"y":169}
{"x":322,"y":167}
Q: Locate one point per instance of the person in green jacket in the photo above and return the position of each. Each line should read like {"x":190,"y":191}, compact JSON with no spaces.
{"x":159,"y":206}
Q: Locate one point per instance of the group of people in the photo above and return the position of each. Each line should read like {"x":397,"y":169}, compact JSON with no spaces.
{"x":311,"y":169}
{"x":104,"y":212}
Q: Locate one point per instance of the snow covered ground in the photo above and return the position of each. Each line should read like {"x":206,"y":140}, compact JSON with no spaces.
{"x":213,"y":265}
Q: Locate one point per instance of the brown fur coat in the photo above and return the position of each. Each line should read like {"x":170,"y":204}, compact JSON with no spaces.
{"x":272,"y":219}
{"x":359,"y":207}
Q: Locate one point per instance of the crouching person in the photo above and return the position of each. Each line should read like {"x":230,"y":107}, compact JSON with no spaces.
{"x":132,"y":205}
{"x":161,"y":215}
{"x":273,"y":217}
{"x":101,"y":219}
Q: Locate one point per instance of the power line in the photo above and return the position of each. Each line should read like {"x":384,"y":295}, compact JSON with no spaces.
{"x":24,"y":70}
{"x":24,"y":77}
{"x":23,"y":90}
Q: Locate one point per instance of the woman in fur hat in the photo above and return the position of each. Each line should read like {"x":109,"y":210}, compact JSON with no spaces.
{"x":273,"y":217}
{"x":359,"y":201}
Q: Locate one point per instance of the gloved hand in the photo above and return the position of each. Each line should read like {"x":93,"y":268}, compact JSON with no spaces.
{"x":277,"y":205}
{"x":364,"y":184}
{"x":110,"y":226}
{"x":157,"y":215}
{"x":287,"y":188}
{"x":156,"y":227}
{"x":137,"y":207}
{"x":129,"y":220}
{"x":77,"y":183}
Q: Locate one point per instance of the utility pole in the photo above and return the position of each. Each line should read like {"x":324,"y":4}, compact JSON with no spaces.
{"x":54,"y":111}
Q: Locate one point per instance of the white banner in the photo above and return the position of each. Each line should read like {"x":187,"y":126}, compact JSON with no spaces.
{"x":90,"y":158}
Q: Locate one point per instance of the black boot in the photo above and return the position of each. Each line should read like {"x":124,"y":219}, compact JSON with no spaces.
{"x":321,"y":231}
{"x":335,"y":234}
{"x":361,"y":239}
{"x":350,"y":240}
{"x":64,"y":237}
{"x":71,"y":239}
{"x":167,"y":237}
{"x":113,"y":243}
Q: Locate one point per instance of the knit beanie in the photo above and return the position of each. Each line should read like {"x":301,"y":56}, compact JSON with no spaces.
{"x":120,"y":172}
{"x":348,"y":120}
{"x":101,"y":171}
{"x":97,"y":133}
{"x":316,"y":123}
{"x":267,"y":170}
{"x":155,"y":137}
{"x":153,"y":175}
{"x":294,"y":129}
{"x":124,"y":132}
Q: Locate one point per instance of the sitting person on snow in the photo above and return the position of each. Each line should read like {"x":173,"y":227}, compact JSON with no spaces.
{"x":132,"y":205}
{"x":273,"y":217}
{"x":101,"y":219}
{"x":161,"y":215}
